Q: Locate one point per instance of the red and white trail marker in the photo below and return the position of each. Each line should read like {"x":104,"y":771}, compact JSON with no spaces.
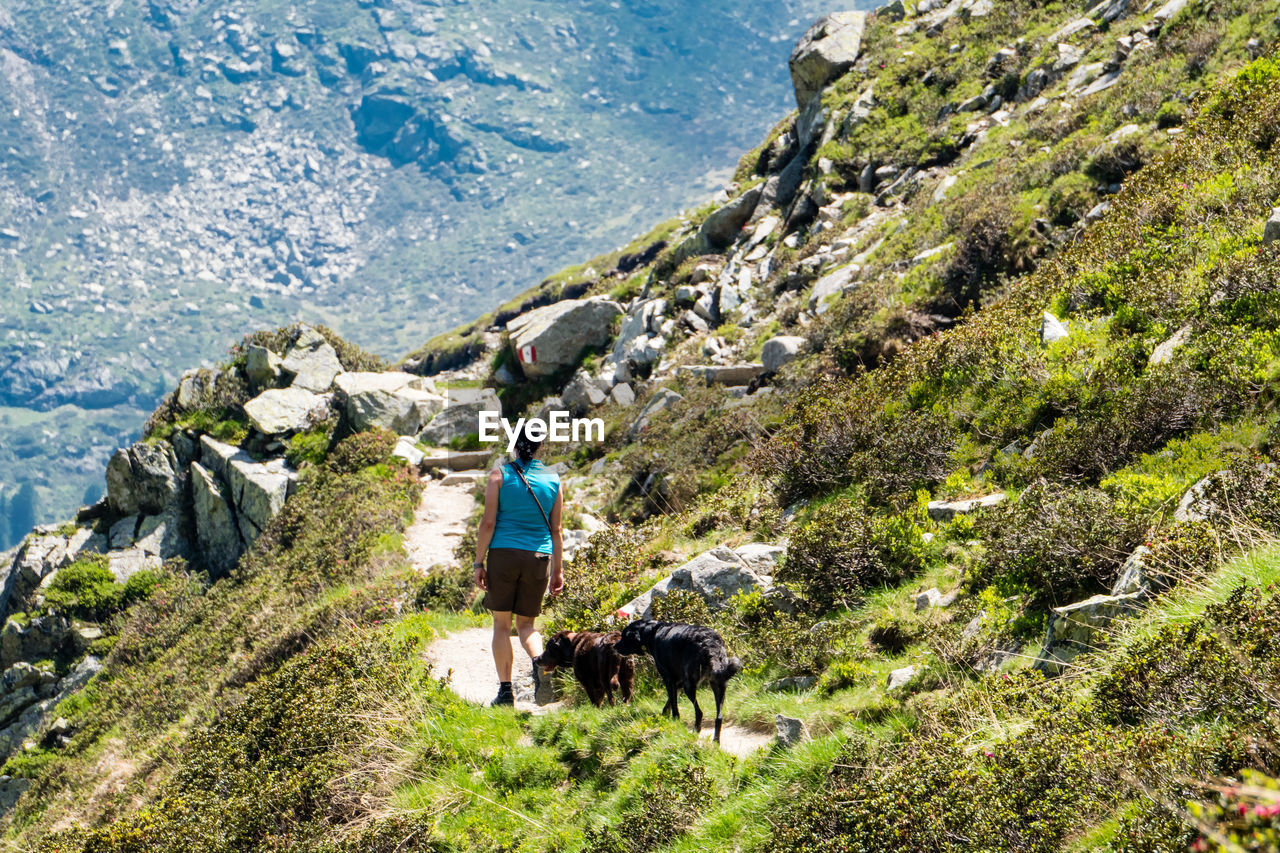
{"x":528,"y":354}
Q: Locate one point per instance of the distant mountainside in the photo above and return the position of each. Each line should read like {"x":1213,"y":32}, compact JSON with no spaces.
{"x":176,"y":173}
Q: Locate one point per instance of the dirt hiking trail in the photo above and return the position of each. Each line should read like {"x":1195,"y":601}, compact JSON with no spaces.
{"x":465,"y":656}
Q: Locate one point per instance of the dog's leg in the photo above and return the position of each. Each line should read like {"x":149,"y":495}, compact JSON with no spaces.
{"x":718,"y":689}
{"x":691,"y":690}
{"x":671,"y":700}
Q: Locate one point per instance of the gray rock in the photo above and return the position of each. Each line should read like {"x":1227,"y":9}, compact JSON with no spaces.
{"x":1164,"y":352}
{"x":723,"y":374}
{"x":1168,"y":10}
{"x":716,"y":575}
{"x":721,"y":229}
{"x":662,"y":400}
{"x":1194,"y":505}
{"x":1076,"y":628}
{"x":312,"y":362}
{"x":125,"y":564}
{"x":900,"y":678}
{"x":407,"y":450}
{"x":761,"y":557}
{"x":12,"y":703}
{"x":40,"y":639}
{"x":825,"y":52}
{"x":549,"y":339}
{"x":1271,"y":231}
{"x":216,"y":531}
{"x":280,"y":411}
{"x":263,"y":366}
{"x":947,"y":510}
{"x":780,"y":351}
{"x":1133,"y":574}
{"x":142,"y":479}
{"x":255,"y":490}
{"x":584,"y":392}
{"x":975,"y":104}
{"x":122,"y":532}
{"x":1052,"y":329}
{"x":458,"y":461}
{"x":162,"y":535}
{"x":461,"y":417}
{"x":832,"y":284}
{"x":11,"y":790}
{"x":400,"y":402}
{"x":622,"y":394}
{"x":791,"y":731}
{"x":928,"y":598}
{"x":792,"y":683}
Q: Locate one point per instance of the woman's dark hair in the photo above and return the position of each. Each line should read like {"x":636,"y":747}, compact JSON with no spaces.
{"x":526,"y":447}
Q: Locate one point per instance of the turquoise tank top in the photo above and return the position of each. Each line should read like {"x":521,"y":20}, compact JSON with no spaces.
{"x":520,"y":524}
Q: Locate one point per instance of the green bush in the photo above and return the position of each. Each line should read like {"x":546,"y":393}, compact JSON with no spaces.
{"x":87,"y":589}
{"x":1061,"y":543}
{"x":655,"y":806}
{"x":308,"y":448}
{"x":601,"y":577}
{"x":446,"y":587}
{"x":363,"y":450}
{"x":841,"y":550}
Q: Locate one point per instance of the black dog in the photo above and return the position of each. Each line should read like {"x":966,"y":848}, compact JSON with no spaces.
{"x":686,"y":656}
{"x":599,"y":669}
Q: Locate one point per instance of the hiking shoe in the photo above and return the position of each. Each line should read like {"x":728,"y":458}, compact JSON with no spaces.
{"x":544,"y":692}
{"x":505,"y":696}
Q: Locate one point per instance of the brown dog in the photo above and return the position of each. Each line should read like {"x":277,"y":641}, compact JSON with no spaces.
{"x":599,"y":669}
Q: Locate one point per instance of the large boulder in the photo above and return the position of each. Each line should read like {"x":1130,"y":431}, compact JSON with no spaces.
{"x":216,"y":531}
{"x":825,"y":52}
{"x":40,"y":639}
{"x":142,"y":479}
{"x":278,"y":411}
{"x":721,"y":229}
{"x":780,"y":351}
{"x":831,"y":285}
{"x":662,"y":400}
{"x":549,"y":339}
{"x":1271,"y":231}
{"x":716,"y":575}
{"x":1076,"y":628}
{"x":947,"y":510}
{"x":462,"y":416}
{"x":256,"y":490}
{"x":262,"y":366}
{"x":312,"y":362}
{"x":400,"y":402}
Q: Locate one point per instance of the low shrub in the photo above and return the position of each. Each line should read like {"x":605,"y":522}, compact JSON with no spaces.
{"x":841,"y":550}
{"x":1061,"y":543}
{"x":87,"y":589}
{"x":599,"y":578}
{"x":655,"y":806}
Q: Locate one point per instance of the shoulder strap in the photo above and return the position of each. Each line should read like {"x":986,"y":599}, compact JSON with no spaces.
{"x":520,"y":474}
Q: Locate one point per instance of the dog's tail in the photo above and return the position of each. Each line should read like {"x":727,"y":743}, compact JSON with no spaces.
{"x":727,"y":670}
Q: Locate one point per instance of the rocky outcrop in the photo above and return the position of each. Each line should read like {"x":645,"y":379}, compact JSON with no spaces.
{"x":311,"y":362}
{"x":549,"y":339}
{"x":281,"y":411}
{"x":1271,"y":231}
{"x":142,"y":479}
{"x":461,"y":418}
{"x":400,"y":402}
{"x":781,"y":351}
{"x":216,"y":530}
{"x":717,"y":576}
{"x":662,"y":400}
{"x":826,"y":52}
{"x":1077,"y":628}
{"x":255,"y":490}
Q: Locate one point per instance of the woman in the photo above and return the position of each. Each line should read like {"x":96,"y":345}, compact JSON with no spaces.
{"x":521,"y":536}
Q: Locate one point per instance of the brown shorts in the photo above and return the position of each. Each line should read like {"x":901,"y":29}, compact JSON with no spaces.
{"x":517,"y":580}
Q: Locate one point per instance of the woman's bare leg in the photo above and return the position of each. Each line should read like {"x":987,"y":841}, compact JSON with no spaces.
{"x":502,"y":656}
